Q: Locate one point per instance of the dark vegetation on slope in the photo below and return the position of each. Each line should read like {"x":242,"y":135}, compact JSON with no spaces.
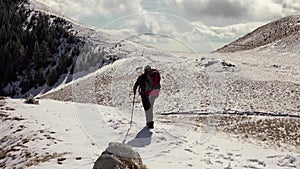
{"x":35,"y":48}
{"x":39,"y":49}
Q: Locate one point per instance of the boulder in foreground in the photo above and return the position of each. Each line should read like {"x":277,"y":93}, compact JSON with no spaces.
{"x":119,"y":156}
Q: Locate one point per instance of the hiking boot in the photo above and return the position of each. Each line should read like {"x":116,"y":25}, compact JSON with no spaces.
{"x":150,"y":125}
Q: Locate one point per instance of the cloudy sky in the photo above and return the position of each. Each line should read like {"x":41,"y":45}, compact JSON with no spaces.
{"x":181,"y":25}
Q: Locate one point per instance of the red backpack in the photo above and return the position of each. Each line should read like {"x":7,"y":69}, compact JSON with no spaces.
{"x":155,"y":78}
{"x":154,"y":84}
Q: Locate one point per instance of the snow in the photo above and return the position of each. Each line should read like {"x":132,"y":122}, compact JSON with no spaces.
{"x":191,"y":85}
{"x":257,"y":81}
{"x":195,"y":88}
{"x":82,"y":131}
{"x":190,"y":129}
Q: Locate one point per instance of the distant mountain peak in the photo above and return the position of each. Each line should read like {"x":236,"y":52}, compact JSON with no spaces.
{"x":282,"y":35}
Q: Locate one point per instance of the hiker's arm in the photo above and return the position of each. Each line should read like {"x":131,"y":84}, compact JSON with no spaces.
{"x":137,"y":84}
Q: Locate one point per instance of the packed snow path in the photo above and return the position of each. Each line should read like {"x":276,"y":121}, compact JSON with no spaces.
{"x":86,"y":129}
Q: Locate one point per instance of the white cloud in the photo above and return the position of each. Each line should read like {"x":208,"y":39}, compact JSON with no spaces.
{"x":118,"y":7}
{"x":192,"y":22}
{"x":229,"y":31}
{"x":225,"y":8}
{"x":224,"y":12}
{"x":79,"y":9}
{"x":265,"y":10}
{"x":75,"y":9}
{"x":163,"y":30}
{"x":292,"y":6}
{"x":157,"y":23}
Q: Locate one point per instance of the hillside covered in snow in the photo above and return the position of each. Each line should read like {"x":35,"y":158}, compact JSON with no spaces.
{"x":36,"y":49}
{"x":282,"y":35}
{"x":252,"y":96}
{"x":235,"y":108}
{"x":41,"y":49}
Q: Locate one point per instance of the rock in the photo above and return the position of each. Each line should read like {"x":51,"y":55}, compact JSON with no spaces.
{"x":31,"y":100}
{"x":225,"y":64}
{"x":78,"y":158}
{"x":106,"y":161}
{"x":2,"y":154}
{"x":119,"y":155}
{"x":61,"y":159}
{"x":123,"y":151}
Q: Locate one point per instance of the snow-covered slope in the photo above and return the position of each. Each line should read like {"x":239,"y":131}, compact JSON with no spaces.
{"x":58,"y":134}
{"x":250,"y":96}
{"x":248,"y":81}
{"x":86,"y":51}
{"x":281,"y":35}
{"x":233,"y":110}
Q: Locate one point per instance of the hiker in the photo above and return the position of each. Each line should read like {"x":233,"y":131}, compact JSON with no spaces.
{"x":149,"y":87}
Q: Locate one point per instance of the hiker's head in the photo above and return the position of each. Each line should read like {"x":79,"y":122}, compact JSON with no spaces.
{"x":147,"y":68}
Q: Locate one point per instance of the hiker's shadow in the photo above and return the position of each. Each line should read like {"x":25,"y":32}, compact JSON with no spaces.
{"x":142,"y":139}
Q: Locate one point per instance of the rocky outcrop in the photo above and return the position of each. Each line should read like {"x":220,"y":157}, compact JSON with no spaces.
{"x":119,"y":156}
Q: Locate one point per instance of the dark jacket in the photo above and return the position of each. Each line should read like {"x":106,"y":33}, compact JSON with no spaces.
{"x":147,"y":82}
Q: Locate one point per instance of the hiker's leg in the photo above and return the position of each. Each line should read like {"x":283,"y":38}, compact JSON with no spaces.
{"x":149,"y":112}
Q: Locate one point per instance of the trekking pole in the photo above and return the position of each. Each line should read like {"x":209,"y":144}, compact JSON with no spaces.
{"x":132,"y":109}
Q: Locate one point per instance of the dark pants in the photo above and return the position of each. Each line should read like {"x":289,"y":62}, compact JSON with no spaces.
{"x":148,"y":102}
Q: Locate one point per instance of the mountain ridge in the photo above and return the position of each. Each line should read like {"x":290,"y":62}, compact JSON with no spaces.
{"x":280,"y":35}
